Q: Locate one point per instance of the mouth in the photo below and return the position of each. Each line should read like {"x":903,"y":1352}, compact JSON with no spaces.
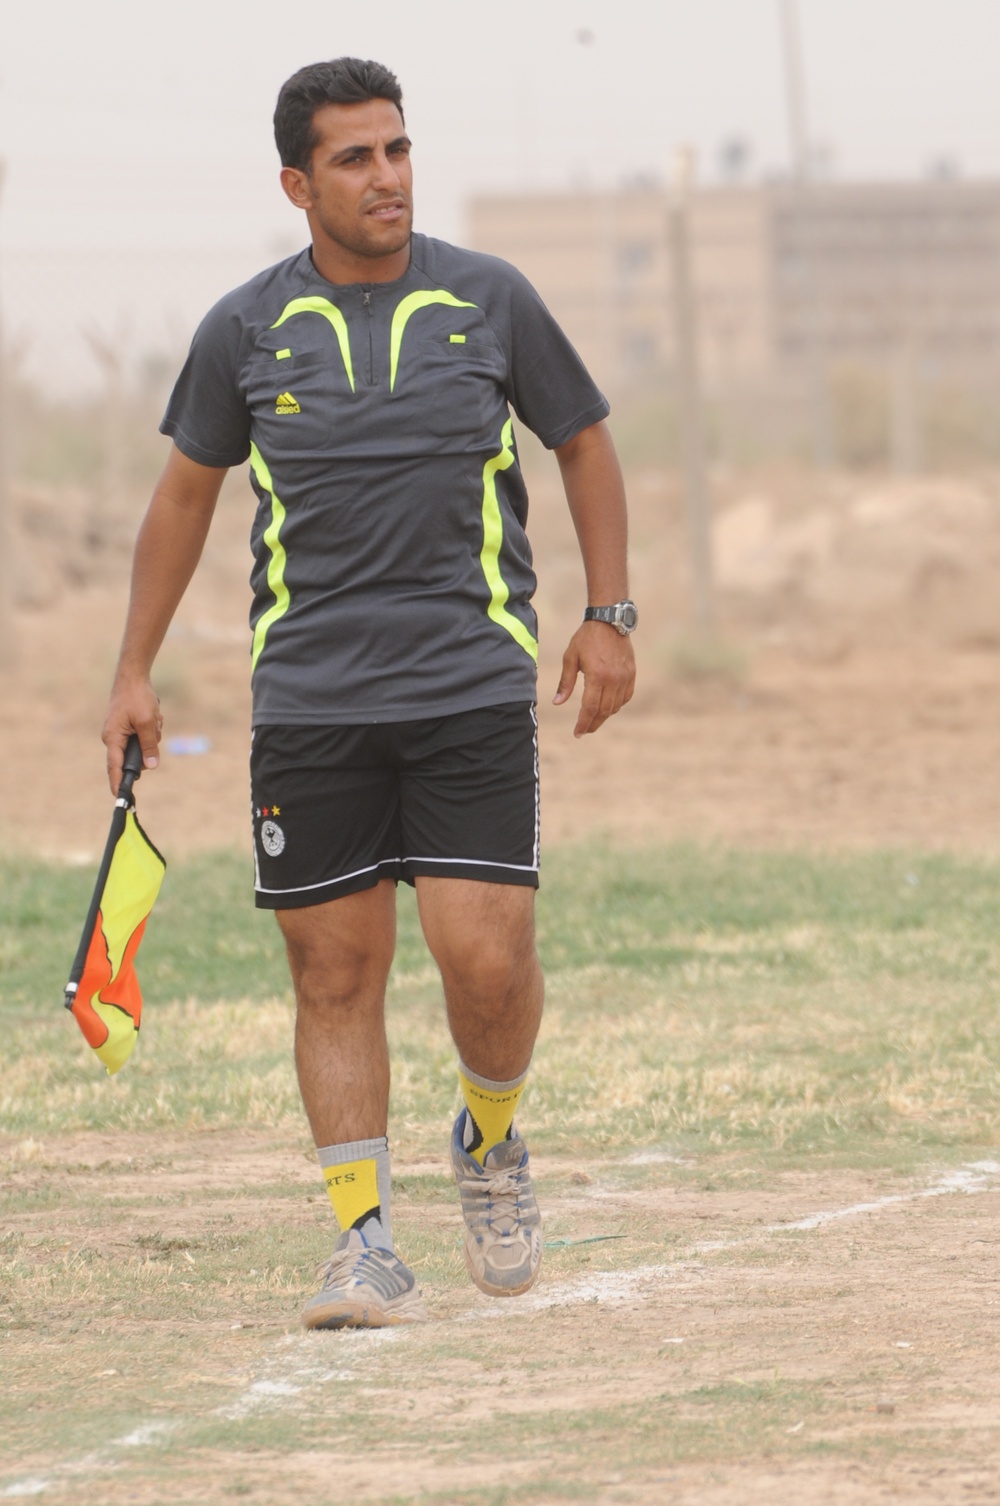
{"x":393,"y":210}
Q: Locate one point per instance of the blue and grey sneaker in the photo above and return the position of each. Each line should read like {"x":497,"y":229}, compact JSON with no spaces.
{"x":363,"y":1287}
{"x":503,"y":1237}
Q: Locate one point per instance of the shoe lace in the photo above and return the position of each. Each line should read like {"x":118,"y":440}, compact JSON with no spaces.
{"x":499,"y":1192}
{"x":343,"y":1267}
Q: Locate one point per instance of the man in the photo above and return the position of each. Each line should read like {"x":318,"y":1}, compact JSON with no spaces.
{"x":369,"y":380}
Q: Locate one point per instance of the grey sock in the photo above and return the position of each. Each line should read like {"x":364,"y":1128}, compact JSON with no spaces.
{"x":375,"y":1223}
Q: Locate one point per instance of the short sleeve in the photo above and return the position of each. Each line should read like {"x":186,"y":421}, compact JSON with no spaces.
{"x":207,"y":415}
{"x":549,"y":388}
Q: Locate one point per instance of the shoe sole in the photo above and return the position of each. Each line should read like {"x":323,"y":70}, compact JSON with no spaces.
{"x":498,"y":1291}
{"x":346,"y":1314}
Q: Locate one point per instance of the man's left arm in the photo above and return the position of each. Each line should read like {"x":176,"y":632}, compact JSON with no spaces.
{"x":595,"y":492}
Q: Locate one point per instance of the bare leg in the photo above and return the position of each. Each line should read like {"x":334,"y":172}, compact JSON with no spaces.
{"x":483,"y":940}
{"x":482,"y":937}
{"x":339,"y":954}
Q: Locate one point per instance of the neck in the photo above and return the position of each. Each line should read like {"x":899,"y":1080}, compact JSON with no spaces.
{"x":340,"y":266}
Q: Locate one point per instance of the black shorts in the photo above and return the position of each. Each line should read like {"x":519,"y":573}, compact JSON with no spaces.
{"x":336,"y":809}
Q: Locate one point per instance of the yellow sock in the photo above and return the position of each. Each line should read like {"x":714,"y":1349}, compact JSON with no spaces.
{"x":357,"y":1180}
{"x":491,"y":1109}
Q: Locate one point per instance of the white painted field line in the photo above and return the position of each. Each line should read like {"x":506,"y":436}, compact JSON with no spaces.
{"x":616,"y":1287}
{"x":89,"y":1464}
{"x":283,"y":1378}
{"x":286,"y":1376}
{"x":977,"y":1176}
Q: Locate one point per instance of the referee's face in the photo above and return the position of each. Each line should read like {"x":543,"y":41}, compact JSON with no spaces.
{"x":358,"y":192}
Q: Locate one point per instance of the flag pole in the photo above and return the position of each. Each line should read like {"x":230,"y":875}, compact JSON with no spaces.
{"x":131,"y":769}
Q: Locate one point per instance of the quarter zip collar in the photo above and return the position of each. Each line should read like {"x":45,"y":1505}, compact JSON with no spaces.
{"x":345,"y":290}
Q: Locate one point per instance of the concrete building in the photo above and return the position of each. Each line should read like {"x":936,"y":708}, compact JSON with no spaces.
{"x":785,"y":280}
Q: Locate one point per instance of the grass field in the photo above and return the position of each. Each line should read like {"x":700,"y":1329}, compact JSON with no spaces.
{"x":763,"y":1117}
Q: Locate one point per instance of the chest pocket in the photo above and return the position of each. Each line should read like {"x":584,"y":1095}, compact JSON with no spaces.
{"x":451,"y":384}
{"x":297,"y":400}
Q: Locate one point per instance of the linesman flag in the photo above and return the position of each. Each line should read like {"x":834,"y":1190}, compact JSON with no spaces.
{"x":103,"y":990}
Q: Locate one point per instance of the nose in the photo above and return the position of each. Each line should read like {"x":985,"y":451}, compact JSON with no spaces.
{"x":384,"y":175}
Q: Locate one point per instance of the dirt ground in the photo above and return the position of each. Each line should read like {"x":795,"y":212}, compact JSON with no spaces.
{"x":782,"y":1350}
{"x":851,"y":698}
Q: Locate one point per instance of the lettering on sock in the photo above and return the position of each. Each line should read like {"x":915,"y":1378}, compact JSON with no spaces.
{"x":353,"y":1190}
{"x":490,"y":1113}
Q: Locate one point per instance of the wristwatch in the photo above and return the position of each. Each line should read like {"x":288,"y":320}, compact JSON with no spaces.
{"x":623,"y":616}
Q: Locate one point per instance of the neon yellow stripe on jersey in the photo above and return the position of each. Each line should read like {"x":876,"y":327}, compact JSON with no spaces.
{"x":405,"y":309}
{"x":335,"y":318}
{"x":276,"y":564}
{"x":492,"y":540}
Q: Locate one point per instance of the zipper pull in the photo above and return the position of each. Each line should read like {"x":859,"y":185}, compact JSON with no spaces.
{"x":366,"y":298}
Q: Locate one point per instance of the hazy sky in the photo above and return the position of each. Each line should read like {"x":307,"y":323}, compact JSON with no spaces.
{"x":133,"y":132}
{"x":130,"y":124}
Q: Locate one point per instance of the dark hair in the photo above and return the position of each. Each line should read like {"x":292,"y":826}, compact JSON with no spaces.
{"x":342,"y":81}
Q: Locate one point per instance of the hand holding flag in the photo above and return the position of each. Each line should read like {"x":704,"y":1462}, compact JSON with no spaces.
{"x":103,"y":990}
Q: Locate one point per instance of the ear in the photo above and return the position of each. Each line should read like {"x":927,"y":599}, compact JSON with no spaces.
{"x":297,"y":187}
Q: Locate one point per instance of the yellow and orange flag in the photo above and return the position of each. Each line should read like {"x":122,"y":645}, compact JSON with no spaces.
{"x":103,"y":990}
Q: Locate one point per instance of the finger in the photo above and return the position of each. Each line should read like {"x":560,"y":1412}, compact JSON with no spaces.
{"x":603,"y":699}
{"x":567,"y":680}
{"x":595,"y":708}
{"x":622,"y":695}
{"x":617,"y":693}
{"x":146,"y":721}
{"x":596,"y":721}
{"x":149,"y":739}
{"x":115,"y":758}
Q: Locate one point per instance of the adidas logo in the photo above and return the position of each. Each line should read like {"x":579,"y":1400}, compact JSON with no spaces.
{"x":285,"y":403}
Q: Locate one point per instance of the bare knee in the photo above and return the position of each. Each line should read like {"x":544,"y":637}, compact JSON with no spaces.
{"x":490,"y":969}
{"x":482,"y":937}
{"x":336,"y":983}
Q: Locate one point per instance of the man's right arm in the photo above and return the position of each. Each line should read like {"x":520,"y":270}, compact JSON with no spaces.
{"x":167,"y":550}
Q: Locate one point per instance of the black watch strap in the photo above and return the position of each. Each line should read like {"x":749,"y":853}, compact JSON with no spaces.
{"x":623,"y":616}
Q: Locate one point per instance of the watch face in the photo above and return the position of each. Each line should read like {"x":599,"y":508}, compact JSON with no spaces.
{"x":628,"y":615}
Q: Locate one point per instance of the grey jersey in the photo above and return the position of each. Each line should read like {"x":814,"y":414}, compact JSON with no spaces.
{"x":392,"y":575}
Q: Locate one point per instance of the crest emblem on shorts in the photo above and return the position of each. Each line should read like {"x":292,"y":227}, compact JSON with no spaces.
{"x":272,"y":838}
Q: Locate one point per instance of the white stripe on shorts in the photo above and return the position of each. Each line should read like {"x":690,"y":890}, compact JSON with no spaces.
{"x":537,"y":854}
{"x":476,"y":863}
{"x":326,"y":883}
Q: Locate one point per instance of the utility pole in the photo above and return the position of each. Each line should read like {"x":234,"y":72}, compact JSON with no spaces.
{"x":690,"y":409}
{"x":795,"y":89}
{"x":905,"y":359}
{"x":807,"y":225}
{"x":905,"y":436}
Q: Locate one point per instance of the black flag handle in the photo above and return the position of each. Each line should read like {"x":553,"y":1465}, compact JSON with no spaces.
{"x":131,"y":769}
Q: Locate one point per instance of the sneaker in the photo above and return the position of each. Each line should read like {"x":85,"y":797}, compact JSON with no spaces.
{"x":363,"y":1287}
{"x":503,"y":1237}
